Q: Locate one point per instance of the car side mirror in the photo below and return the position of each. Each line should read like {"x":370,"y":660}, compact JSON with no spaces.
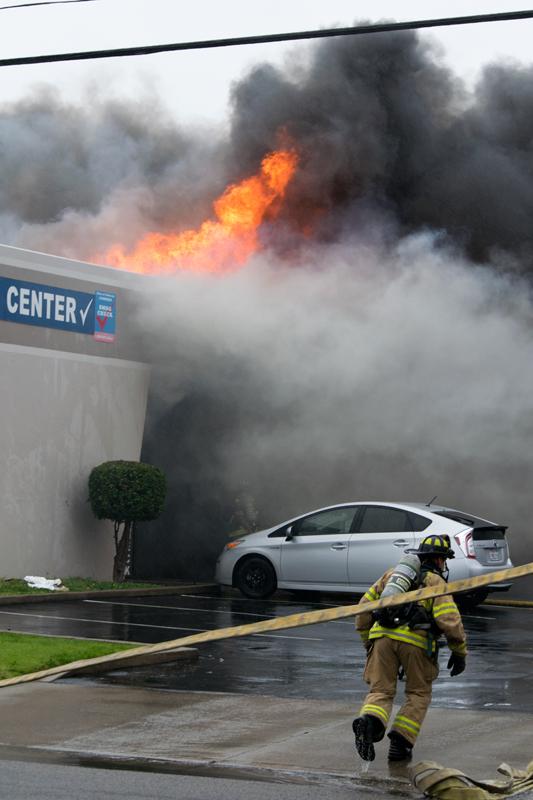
{"x":289,"y":535}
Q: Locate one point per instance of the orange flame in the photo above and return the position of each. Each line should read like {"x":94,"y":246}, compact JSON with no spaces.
{"x":218,"y":245}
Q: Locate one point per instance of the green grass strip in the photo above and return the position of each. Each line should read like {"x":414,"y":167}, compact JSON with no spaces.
{"x":22,"y":653}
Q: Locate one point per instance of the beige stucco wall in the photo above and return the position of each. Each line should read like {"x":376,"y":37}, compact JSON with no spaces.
{"x":66,"y":405}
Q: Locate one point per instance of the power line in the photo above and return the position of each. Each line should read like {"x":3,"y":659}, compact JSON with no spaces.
{"x":268,"y":38}
{"x":45,"y":3}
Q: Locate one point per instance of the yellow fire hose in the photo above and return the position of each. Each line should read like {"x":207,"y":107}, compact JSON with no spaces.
{"x":280,"y":623}
{"x":445,"y":783}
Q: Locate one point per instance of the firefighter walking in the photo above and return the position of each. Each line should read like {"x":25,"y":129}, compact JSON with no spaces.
{"x":407,"y":643}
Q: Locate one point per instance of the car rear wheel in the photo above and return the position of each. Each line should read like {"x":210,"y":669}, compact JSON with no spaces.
{"x":255,"y":578}
{"x":467,"y":600}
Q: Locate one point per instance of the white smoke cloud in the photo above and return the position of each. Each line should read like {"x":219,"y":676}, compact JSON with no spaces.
{"x":375,"y":372}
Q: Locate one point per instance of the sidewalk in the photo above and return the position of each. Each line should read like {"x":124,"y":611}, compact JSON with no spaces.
{"x":214,"y":733}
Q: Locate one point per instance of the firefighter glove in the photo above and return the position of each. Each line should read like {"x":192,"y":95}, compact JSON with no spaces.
{"x":456,"y":664}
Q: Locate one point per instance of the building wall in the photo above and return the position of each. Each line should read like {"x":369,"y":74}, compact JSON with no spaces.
{"x":68,"y":402}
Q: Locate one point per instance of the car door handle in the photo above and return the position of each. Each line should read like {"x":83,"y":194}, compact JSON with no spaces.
{"x":339,"y":546}
{"x":400,"y":543}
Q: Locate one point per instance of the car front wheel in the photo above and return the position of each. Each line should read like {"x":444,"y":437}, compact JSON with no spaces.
{"x":255,"y":578}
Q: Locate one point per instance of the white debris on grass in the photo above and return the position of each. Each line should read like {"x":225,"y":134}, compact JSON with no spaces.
{"x":54,"y":584}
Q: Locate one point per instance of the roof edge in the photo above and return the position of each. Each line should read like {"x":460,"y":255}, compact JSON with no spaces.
{"x":58,"y":265}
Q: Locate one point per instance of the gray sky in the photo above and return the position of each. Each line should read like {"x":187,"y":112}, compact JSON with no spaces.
{"x":195,"y":86}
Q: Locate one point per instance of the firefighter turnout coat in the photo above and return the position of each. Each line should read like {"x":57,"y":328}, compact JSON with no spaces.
{"x":413,"y":650}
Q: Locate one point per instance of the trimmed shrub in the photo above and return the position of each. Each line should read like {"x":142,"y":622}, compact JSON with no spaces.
{"x":124,"y":492}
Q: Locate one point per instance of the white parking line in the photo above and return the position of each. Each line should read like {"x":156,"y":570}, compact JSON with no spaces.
{"x":281,"y":636}
{"x":144,"y":625}
{"x":288,"y":602}
{"x":251,"y":600}
{"x":206,"y":610}
{"x":183,"y":608}
{"x":233,"y":613}
{"x":99,"y":621}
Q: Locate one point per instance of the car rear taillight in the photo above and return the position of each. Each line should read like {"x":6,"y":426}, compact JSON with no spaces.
{"x":466,"y":542}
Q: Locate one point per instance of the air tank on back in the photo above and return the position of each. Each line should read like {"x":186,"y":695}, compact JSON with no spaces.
{"x":404,"y":578}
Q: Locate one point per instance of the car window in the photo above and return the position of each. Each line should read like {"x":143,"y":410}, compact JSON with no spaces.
{"x":332,"y":521}
{"x":464,"y":519}
{"x":382,"y":519}
{"x":418,"y":522}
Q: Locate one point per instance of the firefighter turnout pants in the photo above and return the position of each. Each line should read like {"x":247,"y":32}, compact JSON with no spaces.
{"x":381,"y":673}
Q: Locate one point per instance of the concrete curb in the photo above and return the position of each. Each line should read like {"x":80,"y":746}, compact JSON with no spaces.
{"x":142,"y":660}
{"x":54,"y":596}
{"x":378,"y":787}
{"x":148,"y":660}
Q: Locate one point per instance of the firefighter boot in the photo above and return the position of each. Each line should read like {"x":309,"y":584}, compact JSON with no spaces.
{"x":367,"y":730}
{"x":399,"y":749}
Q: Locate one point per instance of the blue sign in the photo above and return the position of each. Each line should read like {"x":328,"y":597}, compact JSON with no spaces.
{"x":52,"y":307}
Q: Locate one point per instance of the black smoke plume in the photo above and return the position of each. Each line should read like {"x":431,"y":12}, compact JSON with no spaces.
{"x":379,"y":120}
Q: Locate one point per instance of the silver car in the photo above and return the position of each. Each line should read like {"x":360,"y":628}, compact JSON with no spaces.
{"x":345,"y":548}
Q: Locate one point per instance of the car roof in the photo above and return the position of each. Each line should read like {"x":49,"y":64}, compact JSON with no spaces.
{"x":453,"y":514}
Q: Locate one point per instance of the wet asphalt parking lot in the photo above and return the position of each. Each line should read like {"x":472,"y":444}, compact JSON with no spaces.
{"x":322,"y":661}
